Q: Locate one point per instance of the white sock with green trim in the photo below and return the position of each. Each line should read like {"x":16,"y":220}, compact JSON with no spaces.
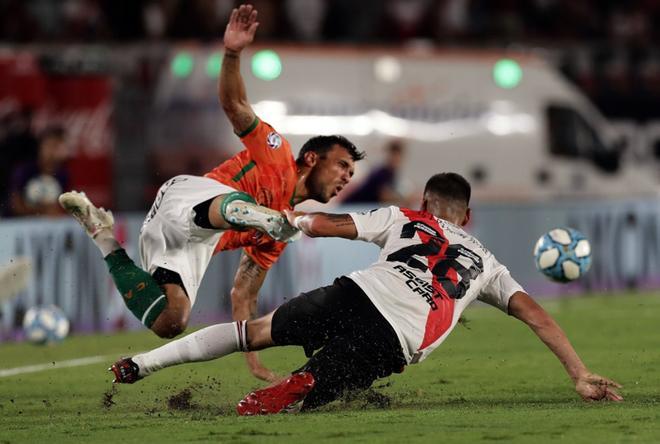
{"x":208,"y":343}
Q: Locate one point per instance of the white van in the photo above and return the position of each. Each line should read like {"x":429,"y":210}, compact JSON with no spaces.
{"x":517,"y":132}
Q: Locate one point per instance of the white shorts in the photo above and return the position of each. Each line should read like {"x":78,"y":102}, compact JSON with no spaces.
{"x":169,"y":237}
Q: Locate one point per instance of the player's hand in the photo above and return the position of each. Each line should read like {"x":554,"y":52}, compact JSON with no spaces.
{"x":241,"y":28}
{"x":593,"y":387}
{"x":291,"y":216}
{"x":258,"y":370}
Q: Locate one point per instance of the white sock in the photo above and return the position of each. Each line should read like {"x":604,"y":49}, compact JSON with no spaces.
{"x":106,"y":242}
{"x":208,"y":343}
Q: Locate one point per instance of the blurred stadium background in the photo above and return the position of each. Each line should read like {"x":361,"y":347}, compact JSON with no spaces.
{"x":549,"y":107}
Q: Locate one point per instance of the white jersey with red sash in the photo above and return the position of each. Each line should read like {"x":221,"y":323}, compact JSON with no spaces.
{"x":428,"y":272}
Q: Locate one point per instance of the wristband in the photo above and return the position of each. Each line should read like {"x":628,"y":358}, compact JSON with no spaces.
{"x":296,"y":222}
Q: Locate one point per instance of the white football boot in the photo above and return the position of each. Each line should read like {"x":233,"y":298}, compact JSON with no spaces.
{"x":92,"y":219}
{"x":271,"y":222}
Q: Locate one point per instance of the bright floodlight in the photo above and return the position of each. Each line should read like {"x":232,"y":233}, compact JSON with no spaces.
{"x":507,"y":73}
{"x":387,"y":69}
{"x":182,"y":64}
{"x":266,"y":65}
{"x":213,"y":65}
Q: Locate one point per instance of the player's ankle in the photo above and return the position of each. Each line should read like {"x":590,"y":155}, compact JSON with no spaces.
{"x":105,"y":240}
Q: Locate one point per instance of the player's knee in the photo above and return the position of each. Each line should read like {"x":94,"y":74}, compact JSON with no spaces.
{"x":242,"y":304}
{"x":170,"y":323}
{"x":169,"y":328}
{"x":253,"y":339}
{"x":259,"y":333}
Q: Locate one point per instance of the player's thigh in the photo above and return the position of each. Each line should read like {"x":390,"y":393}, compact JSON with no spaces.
{"x":170,"y":239}
{"x":312,"y":318}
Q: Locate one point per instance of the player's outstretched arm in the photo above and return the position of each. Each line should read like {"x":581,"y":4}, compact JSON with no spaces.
{"x":231,"y":90}
{"x":247,"y":282}
{"x":322,"y":224}
{"x":590,"y":387}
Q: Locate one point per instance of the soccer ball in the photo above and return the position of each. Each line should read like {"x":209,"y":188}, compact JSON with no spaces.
{"x":43,"y":325}
{"x":42,"y":190}
{"x":563,"y":254}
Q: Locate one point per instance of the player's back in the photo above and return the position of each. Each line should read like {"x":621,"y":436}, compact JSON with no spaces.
{"x":265,"y":170}
{"x":427,"y":273}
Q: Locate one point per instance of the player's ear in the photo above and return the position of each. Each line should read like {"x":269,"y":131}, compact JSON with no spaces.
{"x":311,"y":158}
{"x":466,"y":219}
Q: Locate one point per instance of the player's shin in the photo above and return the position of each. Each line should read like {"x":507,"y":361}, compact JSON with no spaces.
{"x":208,"y":343}
{"x":141,"y":294}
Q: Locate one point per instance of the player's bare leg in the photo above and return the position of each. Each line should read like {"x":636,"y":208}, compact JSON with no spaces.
{"x":140,"y":292}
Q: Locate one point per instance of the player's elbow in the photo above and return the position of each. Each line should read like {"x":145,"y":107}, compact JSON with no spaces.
{"x":237,"y":296}
{"x":231,"y":105}
{"x":524,"y":308}
{"x":242,"y":302}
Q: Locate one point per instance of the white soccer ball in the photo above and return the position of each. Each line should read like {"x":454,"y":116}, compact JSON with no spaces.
{"x":42,"y":190}
{"x":563,"y":254}
{"x":44,"y":325}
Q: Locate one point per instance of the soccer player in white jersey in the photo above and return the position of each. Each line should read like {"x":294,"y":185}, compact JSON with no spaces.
{"x":373,"y":322}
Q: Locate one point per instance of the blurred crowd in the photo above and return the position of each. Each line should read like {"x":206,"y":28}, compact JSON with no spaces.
{"x":33,"y":171}
{"x":443,"y":21}
{"x":608,"y":48}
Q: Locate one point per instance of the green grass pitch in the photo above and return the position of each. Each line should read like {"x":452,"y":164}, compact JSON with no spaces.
{"x":492,"y":381}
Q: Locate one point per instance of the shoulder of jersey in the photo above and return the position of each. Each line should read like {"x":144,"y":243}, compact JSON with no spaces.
{"x":274,"y":140}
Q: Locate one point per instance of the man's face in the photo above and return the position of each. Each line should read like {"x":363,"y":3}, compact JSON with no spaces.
{"x":332,"y":172}
{"x":54,"y":150}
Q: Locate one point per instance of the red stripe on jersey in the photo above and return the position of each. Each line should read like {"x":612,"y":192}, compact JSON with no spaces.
{"x":453,"y":276}
{"x":440,"y":319}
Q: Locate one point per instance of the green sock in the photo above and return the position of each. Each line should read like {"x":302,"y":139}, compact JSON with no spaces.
{"x":141,"y":294}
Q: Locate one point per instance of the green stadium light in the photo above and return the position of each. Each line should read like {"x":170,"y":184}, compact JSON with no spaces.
{"x":266,"y":65}
{"x":507,"y":73}
{"x":213,"y":65}
{"x":182,"y":64}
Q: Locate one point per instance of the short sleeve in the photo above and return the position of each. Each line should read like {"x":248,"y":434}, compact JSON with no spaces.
{"x":266,"y":145}
{"x":499,"y":288}
{"x":265,"y":255}
{"x":373,"y":226}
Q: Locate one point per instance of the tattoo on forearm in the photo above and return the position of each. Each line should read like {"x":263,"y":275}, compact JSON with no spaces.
{"x":340,"y":220}
{"x":249,"y":269}
{"x":230,"y":64}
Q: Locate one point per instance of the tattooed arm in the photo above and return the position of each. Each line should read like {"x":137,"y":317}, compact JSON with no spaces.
{"x":323,"y":224}
{"x":231,"y":89}
{"x":247,"y":283}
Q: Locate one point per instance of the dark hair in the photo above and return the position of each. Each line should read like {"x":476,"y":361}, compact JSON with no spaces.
{"x":395,"y":146}
{"x":54,"y":131}
{"x":322,"y":144}
{"x":450,"y":186}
